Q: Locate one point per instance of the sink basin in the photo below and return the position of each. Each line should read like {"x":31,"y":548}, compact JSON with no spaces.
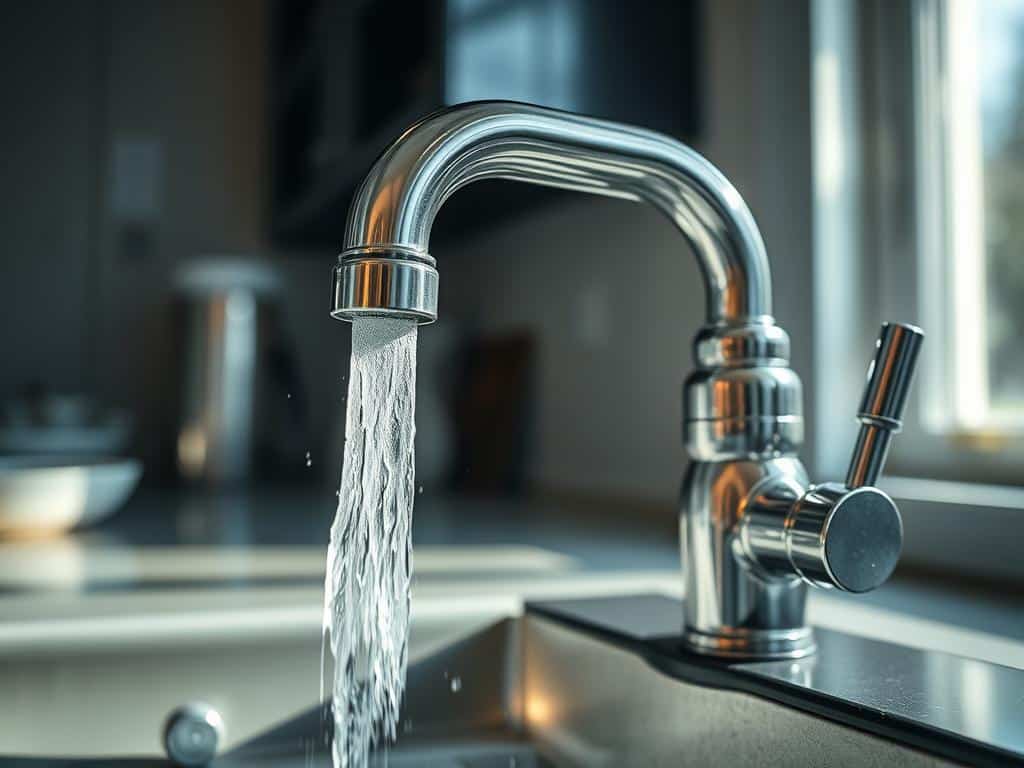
{"x":463,"y":708}
{"x":591,"y":682}
{"x":606,"y":682}
{"x":94,"y":674}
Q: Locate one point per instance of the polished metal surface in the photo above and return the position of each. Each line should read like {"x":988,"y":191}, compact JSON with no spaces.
{"x":478,"y":723}
{"x":227,"y":318}
{"x":192,"y":734}
{"x":731,"y":609}
{"x":754,"y":532}
{"x":394,"y":209}
{"x":842,"y":538}
{"x":396,"y":287}
{"x":739,"y":411}
{"x":742,"y":401}
{"x":884,"y":400}
{"x":759,"y":343}
{"x":743,"y":413}
{"x":830,"y":535}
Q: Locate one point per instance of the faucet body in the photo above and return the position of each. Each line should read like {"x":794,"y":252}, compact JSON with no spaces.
{"x":754,"y":532}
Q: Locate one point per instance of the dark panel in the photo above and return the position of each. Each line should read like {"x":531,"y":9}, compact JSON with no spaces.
{"x":959,"y":708}
{"x":347,"y":78}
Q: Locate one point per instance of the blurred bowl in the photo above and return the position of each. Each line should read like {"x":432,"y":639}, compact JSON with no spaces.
{"x":46,"y":495}
{"x":69,"y":425}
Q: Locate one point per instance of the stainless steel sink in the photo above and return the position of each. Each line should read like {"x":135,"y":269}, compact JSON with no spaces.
{"x":94,"y":674}
{"x":598,"y":682}
{"x":607,"y":683}
{"x":463,"y":708}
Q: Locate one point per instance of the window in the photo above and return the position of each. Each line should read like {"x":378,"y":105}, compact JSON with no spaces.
{"x":943,"y":138}
{"x":927,"y":135}
{"x":970,"y":191}
{"x":918,"y":160}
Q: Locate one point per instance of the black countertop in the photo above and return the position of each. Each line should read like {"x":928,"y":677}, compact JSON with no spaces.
{"x":966,"y":710}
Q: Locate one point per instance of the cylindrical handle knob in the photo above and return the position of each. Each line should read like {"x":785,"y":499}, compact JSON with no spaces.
{"x":192,"y":734}
{"x":830,"y":535}
{"x":885,"y":398}
{"x":846,"y":539}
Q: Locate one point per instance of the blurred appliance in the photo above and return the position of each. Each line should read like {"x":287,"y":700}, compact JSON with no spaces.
{"x":338,"y":100}
{"x":235,"y":365}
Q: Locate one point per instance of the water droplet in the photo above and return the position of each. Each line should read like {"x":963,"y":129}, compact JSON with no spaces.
{"x":289,"y":395}
{"x":456,"y":684}
{"x":309,"y":461}
{"x":421,"y":489}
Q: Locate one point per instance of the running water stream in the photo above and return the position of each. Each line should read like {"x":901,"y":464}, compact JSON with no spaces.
{"x":369,"y":559}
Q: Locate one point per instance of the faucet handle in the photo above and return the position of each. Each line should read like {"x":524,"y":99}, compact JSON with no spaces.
{"x":847,"y":536}
{"x":885,"y":398}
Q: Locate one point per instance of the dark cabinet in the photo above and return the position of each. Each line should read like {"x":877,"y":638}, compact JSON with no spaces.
{"x":347,"y":77}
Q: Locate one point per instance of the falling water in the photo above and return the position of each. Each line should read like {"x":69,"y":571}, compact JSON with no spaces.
{"x":369,"y":560}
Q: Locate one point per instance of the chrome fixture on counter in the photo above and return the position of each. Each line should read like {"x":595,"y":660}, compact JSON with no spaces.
{"x":192,"y":734}
{"x":754,"y":531}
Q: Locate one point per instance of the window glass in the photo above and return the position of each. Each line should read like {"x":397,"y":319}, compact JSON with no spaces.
{"x":1000,"y":83}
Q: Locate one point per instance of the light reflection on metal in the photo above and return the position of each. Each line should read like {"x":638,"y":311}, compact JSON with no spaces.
{"x":754,"y":531}
{"x":538,"y":710}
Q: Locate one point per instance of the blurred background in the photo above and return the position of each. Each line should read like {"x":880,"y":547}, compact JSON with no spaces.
{"x":175,"y":179}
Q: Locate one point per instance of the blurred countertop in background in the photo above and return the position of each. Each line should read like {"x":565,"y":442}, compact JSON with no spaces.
{"x":194,"y":568}
{"x":189,"y":567}
{"x":162,"y":541}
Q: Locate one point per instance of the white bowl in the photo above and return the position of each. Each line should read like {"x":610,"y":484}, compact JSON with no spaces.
{"x":45,"y":495}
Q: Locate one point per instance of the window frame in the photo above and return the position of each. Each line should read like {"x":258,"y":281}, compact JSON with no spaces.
{"x":903,"y":193}
{"x":959,"y":499}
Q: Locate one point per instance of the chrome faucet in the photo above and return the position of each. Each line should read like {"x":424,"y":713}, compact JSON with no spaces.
{"x":754,"y":530}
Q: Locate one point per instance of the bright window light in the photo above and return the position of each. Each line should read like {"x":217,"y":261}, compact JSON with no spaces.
{"x":970,"y":115}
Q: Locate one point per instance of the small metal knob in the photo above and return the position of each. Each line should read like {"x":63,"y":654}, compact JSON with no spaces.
{"x":885,"y":399}
{"x":842,"y":538}
{"x":192,"y":734}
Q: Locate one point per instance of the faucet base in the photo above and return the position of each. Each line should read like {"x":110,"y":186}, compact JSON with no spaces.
{"x":753,"y":643}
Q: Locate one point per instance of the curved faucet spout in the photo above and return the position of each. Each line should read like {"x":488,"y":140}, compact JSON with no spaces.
{"x":392,"y":213}
{"x":754,"y":531}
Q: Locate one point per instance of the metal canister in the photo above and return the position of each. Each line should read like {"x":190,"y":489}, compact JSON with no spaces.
{"x":228,"y":320}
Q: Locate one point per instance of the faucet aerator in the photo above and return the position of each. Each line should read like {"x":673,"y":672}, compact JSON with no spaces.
{"x":383,"y":284}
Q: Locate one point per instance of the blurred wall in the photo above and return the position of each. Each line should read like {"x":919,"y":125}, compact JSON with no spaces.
{"x":614,"y":352}
{"x":137,"y":140}
{"x":175,"y":93}
{"x":49,"y":70}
